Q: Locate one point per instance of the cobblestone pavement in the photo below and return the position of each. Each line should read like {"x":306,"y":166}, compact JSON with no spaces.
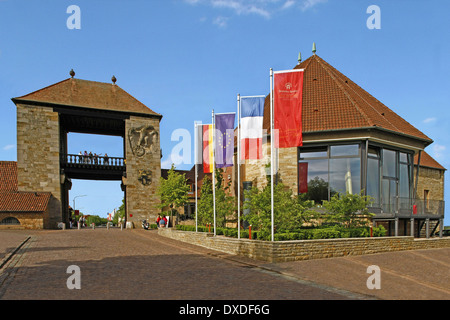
{"x":137,"y":264}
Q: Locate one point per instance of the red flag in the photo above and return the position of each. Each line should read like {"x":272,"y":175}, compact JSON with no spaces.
{"x":303,"y":177}
{"x":288,"y":92}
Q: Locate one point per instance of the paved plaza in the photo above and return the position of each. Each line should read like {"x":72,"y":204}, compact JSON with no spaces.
{"x":142,"y":265}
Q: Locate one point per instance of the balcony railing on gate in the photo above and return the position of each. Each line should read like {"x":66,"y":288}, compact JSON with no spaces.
{"x":82,"y":160}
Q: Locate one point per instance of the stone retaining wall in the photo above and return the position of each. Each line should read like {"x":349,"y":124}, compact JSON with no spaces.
{"x":283,"y":251}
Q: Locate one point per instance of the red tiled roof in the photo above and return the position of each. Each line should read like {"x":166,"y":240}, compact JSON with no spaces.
{"x":24,"y":201}
{"x":331,"y":101}
{"x":427,"y":161}
{"x":87,"y":94}
{"x":8,"y":176}
{"x":12,"y":200}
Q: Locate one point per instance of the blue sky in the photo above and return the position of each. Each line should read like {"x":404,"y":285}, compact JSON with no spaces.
{"x":183,"y":58}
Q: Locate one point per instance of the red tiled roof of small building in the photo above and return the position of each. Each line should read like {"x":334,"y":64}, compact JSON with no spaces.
{"x":12,"y":200}
{"x":24,"y":201}
{"x":427,"y":161}
{"x":8,"y":176}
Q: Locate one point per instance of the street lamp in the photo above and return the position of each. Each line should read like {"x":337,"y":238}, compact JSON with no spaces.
{"x":84,"y":195}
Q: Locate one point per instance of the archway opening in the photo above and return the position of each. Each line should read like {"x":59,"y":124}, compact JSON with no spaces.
{"x":96,"y":187}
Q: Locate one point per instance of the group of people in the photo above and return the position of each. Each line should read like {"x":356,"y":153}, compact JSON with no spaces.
{"x":73,"y":223}
{"x":161,"y":221}
{"x":92,"y":158}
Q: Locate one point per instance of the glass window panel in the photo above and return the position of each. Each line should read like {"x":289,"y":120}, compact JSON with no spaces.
{"x":314,"y":153}
{"x":345,"y":150}
{"x":317,"y":179}
{"x":404,"y":181}
{"x":389,"y":195}
{"x":403,"y":157}
{"x":373,"y":181}
{"x":389,"y":163}
{"x":345,"y":175}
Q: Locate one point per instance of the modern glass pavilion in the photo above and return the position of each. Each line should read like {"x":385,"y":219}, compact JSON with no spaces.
{"x":352,"y":143}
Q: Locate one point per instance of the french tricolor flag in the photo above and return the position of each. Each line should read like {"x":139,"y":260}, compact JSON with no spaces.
{"x":252,"y":114}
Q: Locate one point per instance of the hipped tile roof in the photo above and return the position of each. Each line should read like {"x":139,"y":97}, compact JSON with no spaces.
{"x":87,"y":94}
{"x":331,"y":101}
{"x":12,"y":200}
{"x":24,"y":201}
{"x":427,"y":161}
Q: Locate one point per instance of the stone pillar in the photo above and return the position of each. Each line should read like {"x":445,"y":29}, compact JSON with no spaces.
{"x":288,"y":168}
{"x":143,"y":169}
{"x":38,"y":156}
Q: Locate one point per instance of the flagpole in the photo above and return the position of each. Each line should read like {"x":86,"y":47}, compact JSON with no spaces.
{"x":272,"y":141}
{"x":239,"y":164}
{"x":214,"y":169}
{"x":196,"y":172}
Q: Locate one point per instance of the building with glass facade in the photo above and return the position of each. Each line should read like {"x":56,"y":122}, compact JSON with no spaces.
{"x":351,"y":143}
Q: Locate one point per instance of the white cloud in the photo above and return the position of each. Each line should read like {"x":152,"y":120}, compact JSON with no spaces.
{"x":221,"y":21}
{"x":9,"y":147}
{"x":438,"y":151}
{"x":262,"y":8}
{"x":288,"y":4}
{"x":308,"y":4}
{"x":242,"y":7}
{"x":429,"y":120}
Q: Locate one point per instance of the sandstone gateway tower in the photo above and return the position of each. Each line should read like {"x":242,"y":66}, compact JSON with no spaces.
{"x":44,"y":119}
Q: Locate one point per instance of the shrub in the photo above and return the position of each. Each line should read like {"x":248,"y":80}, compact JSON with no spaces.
{"x":307,"y":233}
{"x":348,"y":209}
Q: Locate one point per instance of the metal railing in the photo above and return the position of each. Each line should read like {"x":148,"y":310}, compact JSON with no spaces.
{"x":413,"y":207}
{"x":76,"y":159}
{"x":429,"y":207}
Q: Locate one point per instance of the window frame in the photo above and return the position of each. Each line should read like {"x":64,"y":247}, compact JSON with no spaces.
{"x":329,"y":157}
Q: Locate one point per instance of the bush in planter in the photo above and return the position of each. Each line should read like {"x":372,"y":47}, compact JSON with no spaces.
{"x":349,"y":210}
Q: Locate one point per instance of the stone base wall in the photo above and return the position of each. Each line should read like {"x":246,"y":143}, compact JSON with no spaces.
{"x":283,"y":251}
{"x":28,"y":221}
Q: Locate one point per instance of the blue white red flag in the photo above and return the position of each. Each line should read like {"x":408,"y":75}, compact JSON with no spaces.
{"x":252,"y":114}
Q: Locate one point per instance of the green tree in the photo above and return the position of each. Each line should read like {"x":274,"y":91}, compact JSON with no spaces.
{"x":350,"y":210}
{"x":119,"y":213}
{"x":290,"y":211}
{"x":96,"y":220}
{"x":205,"y":204}
{"x":173,"y":191}
{"x":225,"y":204}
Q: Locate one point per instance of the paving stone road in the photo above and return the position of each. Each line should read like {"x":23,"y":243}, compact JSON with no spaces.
{"x":141,"y":265}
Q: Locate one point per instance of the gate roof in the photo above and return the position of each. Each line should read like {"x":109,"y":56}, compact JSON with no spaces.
{"x":87,"y":94}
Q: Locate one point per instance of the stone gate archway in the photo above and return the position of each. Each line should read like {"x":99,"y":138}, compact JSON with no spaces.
{"x":46,"y":116}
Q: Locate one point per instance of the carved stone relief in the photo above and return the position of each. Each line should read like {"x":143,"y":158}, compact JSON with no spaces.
{"x":145,"y":177}
{"x":143,"y":140}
